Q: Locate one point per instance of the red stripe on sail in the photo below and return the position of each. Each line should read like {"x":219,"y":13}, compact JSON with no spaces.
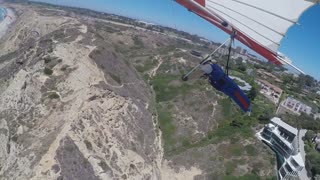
{"x":201,"y":2}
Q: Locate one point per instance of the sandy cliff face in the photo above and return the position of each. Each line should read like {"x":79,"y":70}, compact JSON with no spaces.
{"x":72,"y":109}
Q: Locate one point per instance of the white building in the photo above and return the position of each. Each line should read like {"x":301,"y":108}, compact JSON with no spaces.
{"x":294,"y":106}
{"x":283,"y":140}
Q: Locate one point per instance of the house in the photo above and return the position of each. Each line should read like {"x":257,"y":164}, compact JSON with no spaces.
{"x":272,"y":92}
{"x":267,"y":75}
{"x":283,"y":139}
{"x":293,"y":106}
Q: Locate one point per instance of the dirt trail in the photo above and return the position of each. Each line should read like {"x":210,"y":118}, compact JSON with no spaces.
{"x":153,"y":72}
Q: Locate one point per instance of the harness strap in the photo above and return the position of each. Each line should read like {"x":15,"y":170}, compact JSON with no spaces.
{"x":227,"y":66}
{"x":233,"y":35}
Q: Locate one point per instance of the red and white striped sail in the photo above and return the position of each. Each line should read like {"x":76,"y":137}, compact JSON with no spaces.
{"x":259,"y":24}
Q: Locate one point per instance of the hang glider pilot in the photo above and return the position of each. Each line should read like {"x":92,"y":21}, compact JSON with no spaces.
{"x":220,"y":81}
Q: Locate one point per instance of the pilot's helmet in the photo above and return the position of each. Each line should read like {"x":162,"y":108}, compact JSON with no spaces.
{"x":206,"y":68}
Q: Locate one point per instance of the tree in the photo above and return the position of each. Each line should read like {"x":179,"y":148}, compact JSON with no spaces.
{"x":288,"y":79}
{"x":252,"y":94}
{"x":309,"y":80}
{"x":314,"y":159}
{"x":265,"y":116}
{"x":242,"y":67}
{"x":317,"y":177}
{"x":309,"y":135}
{"x":239,"y":59}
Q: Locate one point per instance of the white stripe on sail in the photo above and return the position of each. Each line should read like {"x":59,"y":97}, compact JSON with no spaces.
{"x":266,"y":22}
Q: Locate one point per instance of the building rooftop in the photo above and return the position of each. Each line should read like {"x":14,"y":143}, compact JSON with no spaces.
{"x":279,"y":122}
{"x":270,"y":75}
{"x":298,"y":159}
{"x":275,"y":88}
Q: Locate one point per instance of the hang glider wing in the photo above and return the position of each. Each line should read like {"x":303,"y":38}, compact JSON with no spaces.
{"x":259,"y":24}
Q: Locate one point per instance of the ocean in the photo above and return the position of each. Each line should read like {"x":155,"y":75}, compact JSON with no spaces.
{"x":2,"y":13}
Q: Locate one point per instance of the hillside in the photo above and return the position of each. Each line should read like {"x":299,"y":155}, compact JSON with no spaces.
{"x":89,"y":98}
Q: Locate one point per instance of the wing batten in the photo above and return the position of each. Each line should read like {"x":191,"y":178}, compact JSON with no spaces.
{"x":268,"y":27}
{"x":246,"y":26}
{"x":293,"y":22}
{"x":261,"y":25}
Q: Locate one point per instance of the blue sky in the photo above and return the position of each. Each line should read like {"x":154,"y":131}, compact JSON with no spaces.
{"x":302,"y":43}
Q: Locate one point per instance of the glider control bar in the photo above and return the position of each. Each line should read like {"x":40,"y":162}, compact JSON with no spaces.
{"x":205,"y":60}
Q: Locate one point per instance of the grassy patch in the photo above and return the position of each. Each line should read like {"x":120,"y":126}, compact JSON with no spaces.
{"x":239,"y":83}
{"x":166,"y":92}
{"x":237,"y":74}
{"x":245,"y":177}
{"x":186,"y":142}
{"x":167,"y":127}
{"x":251,"y":151}
{"x":236,"y":150}
{"x":226,"y":107}
{"x":147,"y":65}
{"x":230,"y":167}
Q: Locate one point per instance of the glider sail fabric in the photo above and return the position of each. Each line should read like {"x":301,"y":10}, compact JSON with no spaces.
{"x":259,"y":24}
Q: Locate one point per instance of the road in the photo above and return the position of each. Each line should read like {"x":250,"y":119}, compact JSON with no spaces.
{"x":303,"y":173}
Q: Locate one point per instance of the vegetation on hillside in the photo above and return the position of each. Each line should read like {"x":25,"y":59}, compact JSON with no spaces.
{"x":312,"y":155}
{"x":233,"y":123}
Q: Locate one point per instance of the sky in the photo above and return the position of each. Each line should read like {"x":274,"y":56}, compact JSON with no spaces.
{"x":301,"y":44}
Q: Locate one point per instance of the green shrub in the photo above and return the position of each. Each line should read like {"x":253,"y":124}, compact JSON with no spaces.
{"x":48,"y":71}
{"x":88,"y":144}
{"x":186,"y":142}
{"x":236,"y":150}
{"x":47,"y":59}
{"x":137,"y":42}
{"x":116,"y":78}
{"x":54,"y":95}
{"x":64,"y":67}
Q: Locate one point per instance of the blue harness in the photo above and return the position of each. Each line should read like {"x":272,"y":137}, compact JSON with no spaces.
{"x":220,"y":81}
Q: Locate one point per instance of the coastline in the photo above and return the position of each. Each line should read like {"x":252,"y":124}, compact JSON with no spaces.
{"x":5,"y":24}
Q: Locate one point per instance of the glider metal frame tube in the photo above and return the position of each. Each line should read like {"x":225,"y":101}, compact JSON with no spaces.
{"x":291,"y":65}
{"x":184,"y":77}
